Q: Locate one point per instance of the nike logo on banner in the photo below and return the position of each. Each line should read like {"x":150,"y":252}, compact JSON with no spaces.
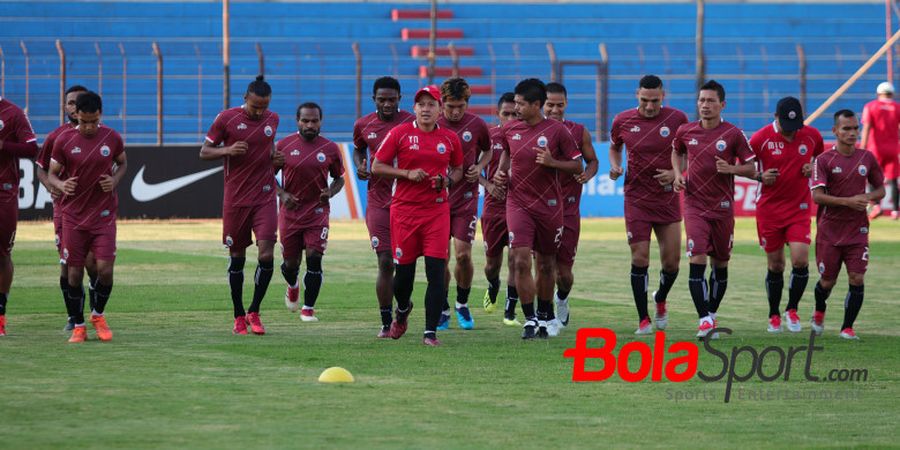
{"x":145,"y":192}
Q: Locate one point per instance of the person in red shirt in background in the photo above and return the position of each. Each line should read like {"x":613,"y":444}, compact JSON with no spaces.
{"x":881,"y":137}
{"x":309,"y":159}
{"x":92,"y":159}
{"x":842,"y":227}
{"x":17,"y":140}
{"x":784,"y":153}
{"x":425,"y":160}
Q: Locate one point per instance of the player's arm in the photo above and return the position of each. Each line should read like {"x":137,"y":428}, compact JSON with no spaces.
{"x":590,"y":158}
{"x":19,"y":149}
{"x":679,"y":163}
{"x":615,"y":160}
{"x":746,"y":170}
{"x":68,"y":186}
{"x":361,"y":161}
{"x":336,"y":185}
{"x":474,"y":173}
{"x":109,"y":182}
{"x":388,"y":171}
{"x":857,"y":202}
{"x":545,"y":159}
{"x":209,"y":152}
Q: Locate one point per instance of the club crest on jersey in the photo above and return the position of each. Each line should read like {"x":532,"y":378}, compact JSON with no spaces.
{"x":497,"y":146}
{"x":862,"y":170}
{"x":635,"y":129}
{"x":542,"y":141}
{"x":7,"y":186}
{"x":517,"y":137}
{"x":242,"y":126}
{"x":375,"y":242}
{"x":104,"y":150}
{"x":665,"y":131}
{"x":372,"y":135}
{"x":441,"y":148}
{"x":803,"y":149}
{"x":467,"y":136}
{"x":720,"y":145}
{"x":268,"y":130}
{"x":693,"y":142}
{"x":320,"y":157}
{"x":295,"y":152}
{"x":76,"y":150}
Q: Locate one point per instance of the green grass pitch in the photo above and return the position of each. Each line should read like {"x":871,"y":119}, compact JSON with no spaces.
{"x":175,"y":377}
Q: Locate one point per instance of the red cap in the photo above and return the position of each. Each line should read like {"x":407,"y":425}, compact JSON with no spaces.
{"x":431,"y":90}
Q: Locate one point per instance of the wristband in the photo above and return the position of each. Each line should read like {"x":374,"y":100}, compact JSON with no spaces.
{"x":759,"y":177}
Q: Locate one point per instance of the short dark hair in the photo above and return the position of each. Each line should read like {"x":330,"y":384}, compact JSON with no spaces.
{"x":455,"y":89}
{"x":386,"y":83}
{"x":507,"y":97}
{"x":650,"y":82}
{"x":713,"y":85}
{"x":532,"y":90}
{"x":843,"y":113}
{"x":310,"y":105}
{"x":89,"y":102}
{"x":259,"y":87}
{"x":76,"y":88}
{"x":557,"y":88}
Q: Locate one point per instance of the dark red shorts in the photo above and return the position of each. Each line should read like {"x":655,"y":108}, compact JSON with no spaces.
{"x":568,"y":245}
{"x":829,"y":258}
{"x":427,"y":234}
{"x":9,"y":217}
{"x":77,"y":244}
{"x":774,"y":235}
{"x":296,"y":239}
{"x":713,"y":237}
{"x":239,"y":221}
{"x":641,"y":220}
{"x":463,"y":223}
{"x":378,"y":221}
{"x":541,"y":234}
{"x":890,"y":165}
{"x":495,"y":234}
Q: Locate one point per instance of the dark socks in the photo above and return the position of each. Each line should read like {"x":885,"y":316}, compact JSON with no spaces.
{"x":236,"y":281}
{"x":895,"y":195}
{"x":545,"y":310}
{"x":666,"y":281}
{"x":512,"y":297}
{"x":261,"y":281}
{"x":821,"y":296}
{"x":101,"y":297}
{"x":462,"y":295}
{"x":774,"y":286}
{"x":697,"y":286}
{"x":493,"y":289}
{"x":404,"y":276}
{"x":796,"y":286}
{"x":290,"y":275}
{"x":312,"y":281}
{"x":445,"y":297}
{"x":386,"y":316}
{"x":64,"y":288}
{"x":434,"y":272}
{"x":852,"y":305}
{"x":528,"y":311}
{"x":92,"y":291}
{"x":562,"y":295}
{"x":639,"y":284}
{"x":3,"y":299}
{"x":718,"y":282}
{"x":75,"y":304}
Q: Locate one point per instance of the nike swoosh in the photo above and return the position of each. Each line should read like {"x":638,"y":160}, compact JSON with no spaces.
{"x":145,"y":192}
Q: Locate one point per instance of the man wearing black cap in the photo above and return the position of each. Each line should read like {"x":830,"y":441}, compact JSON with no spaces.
{"x":784,"y":153}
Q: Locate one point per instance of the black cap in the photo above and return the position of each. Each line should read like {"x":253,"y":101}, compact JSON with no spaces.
{"x":790,"y":114}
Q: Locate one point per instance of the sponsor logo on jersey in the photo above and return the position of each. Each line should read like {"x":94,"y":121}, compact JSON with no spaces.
{"x":267,"y":188}
{"x":665,"y":131}
{"x":693,"y":142}
{"x":295,"y":152}
{"x":467,"y":136}
{"x":635,"y":129}
{"x":372,"y":135}
{"x":441,"y":148}
{"x":104,"y":150}
{"x":517,"y":137}
{"x":76,"y":150}
{"x":242,"y":126}
{"x":497,"y":146}
{"x":551,"y":202}
{"x":721,"y":145}
{"x":104,"y":213}
{"x":804,"y":206}
{"x":319,"y":210}
{"x":803,"y":149}
{"x":320,"y":157}
{"x":542,"y":141}
{"x":837,"y":170}
{"x":862,"y":170}
{"x":724,"y":204}
{"x":268,"y":130}
{"x":468,"y":195}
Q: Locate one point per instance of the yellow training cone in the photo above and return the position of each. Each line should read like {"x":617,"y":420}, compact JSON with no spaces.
{"x":336,"y":375}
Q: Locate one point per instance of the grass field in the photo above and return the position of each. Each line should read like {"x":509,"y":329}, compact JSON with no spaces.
{"x":174,"y":376}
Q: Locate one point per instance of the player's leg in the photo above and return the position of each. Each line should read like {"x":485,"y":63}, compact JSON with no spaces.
{"x":76,"y":244}
{"x":237,"y":227}
{"x":492,"y":266}
{"x":856,"y":258}
{"x":434,"y":247}
{"x":8,"y":222}
{"x":774,"y":285}
{"x":697,"y":230}
{"x":6,"y":276}
{"x":525,"y":288}
{"x":90,"y":266}
{"x":407,"y":242}
{"x":895,"y":199}
{"x":828,"y":262}
{"x":291,"y":255}
{"x":565,"y":260}
{"x":265,"y":224}
{"x":668,"y":237}
{"x":545,"y":280}
{"x":378,"y":224}
{"x":722,"y":238}
{"x":797,"y":282}
{"x":512,"y":294}
{"x":638,"y":233}
{"x":463,"y":273}
{"x":103,"y":249}
{"x":312,"y":284}
{"x":444,"y":322}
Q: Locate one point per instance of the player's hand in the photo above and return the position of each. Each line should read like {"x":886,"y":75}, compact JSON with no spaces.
{"x":324,"y":195}
{"x":55,"y":193}
{"x":723,"y":167}
{"x":615,"y":172}
{"x":498,"y":192}
{"x":440,"y":182}
{"x":416,"y":175}
{"x":769,"y":177}
{"x":664,"y":176}
{"x":544,"y":157}
{"x":237,"y":149}
{"x":808,"y":169}
{"x":362,"y":173}
{"x":678,"y":183}
{"x":107,"y":183}
{"x":500,"y":178}
{"x":586,"y":174}
{"x":69,"y":186}
{"x":277,"y":160}
{"x":858,"y":202}
{"x":472,"y":174}
{"x":288,"y":200}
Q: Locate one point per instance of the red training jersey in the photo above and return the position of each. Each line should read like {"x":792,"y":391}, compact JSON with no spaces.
{"x":571,"y":188}
{"x":475,"y":138}
{"x":845,"y":176}
{"x":788,"y":199}
{"x":710,"y":194}
{"x":249,"y":178}
{"x":307,"y":166}
{"x":411,"y":148}
{"x":368,"y":133}
{"x":883,"y":118}
{"x":14,"y":127}
{"x":493,"y":207}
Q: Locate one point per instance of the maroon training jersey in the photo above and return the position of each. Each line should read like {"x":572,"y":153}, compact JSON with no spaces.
{"x":845,"y":176}
{"x":883,"y":118}
{"x":15,"y":128}
{"x":88,"y":158}
{"x":249,"y":178}
{"x":533,"y":187}
{"x":493,"y":207}
{"x":368,"y":132}
{"x":571,"y":189}
{"x":474,"y":137}
{"x":788,"y":199}
{"x":648,"y":145}
{"x":43,"y":159}
{"x":307,"y":166}
{"x":411,"y":148}
{"x":710,"y":194}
